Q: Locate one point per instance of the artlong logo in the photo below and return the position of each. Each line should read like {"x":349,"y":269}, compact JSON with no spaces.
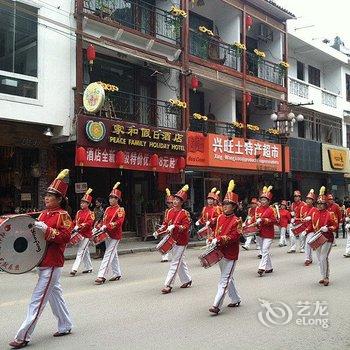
{"x":274,"y":314}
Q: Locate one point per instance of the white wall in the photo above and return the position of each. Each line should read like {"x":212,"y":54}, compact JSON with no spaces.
{"x":56,"y":74}
{"x":273,"y":49}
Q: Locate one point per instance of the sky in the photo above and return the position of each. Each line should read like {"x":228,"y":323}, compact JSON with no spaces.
{"x":327,"y":18}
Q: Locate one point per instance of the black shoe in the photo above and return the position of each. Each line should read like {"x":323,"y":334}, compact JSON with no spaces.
{"x":115,"y":278}
{"x":269,"y":271}
{"x":234,"y":304}
{"x":87,"y":271}
{"x":59,"y":334}
{"x":259,"y":256}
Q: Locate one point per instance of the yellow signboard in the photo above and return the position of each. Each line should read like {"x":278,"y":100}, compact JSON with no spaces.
{"x":335,"y":159}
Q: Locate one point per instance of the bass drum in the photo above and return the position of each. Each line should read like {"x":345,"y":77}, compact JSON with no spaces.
{"x":22,"y":247}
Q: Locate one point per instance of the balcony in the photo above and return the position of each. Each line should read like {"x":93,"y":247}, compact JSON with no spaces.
{"x":138,"y":15}
{"x":263,"y":69}
{"x":213,"y":49}
{"x":142,"y":110}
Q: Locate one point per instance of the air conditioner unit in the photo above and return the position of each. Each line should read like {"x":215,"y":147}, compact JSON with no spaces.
{"x":265,"y":33}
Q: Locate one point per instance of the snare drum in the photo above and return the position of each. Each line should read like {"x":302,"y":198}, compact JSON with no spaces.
{"x":250,"y":230}
{"x":99,"y":237}
{"x":210,"y":257}
{"x":317,"y":240}
{"x":204,"y":232}
{"x":298,"y":229}
{"x":75,"y":239}
{"x":166,"y":244}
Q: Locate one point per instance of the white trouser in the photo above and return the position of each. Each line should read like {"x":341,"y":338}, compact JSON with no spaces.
{"x":308,"y":249}
{"x":265,"y":262}
{"x":293,"y":241}
{"x":259,"y":244}
{"x":283,"y":239}
{"x":47,"y":289}
{"x":165,"y":257}
{"x":347,"y":249}
{"x":178,"y":266}
{"x":110,"y":261}
{"x":248,"y":241}
{"x":226,"y":283}
{"x":322,"y":256}
{"x":83,"y":254}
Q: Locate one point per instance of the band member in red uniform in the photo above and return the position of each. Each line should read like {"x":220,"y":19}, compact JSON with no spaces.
{"x":347,"y":229}
{"x":226,"y":238}
{"x":83,"y":224}
{"x":334,"y":208}
{"x":112,"y":223}
{"x":250,"y":220}
{"x":295,"y":213}
{"x":325,"y":222}
{"x":265,"y":220}
{"x":169,"y":203}
{"x":178,"y":224}
{"x":210,"y":212}
{"x":56,"y":224}
{"x":283,"y":223}
{"x":217,"y":202}
{"x":306,"y":214}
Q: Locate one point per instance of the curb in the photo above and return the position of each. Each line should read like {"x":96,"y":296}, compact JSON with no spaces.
{"x":142,"y":249}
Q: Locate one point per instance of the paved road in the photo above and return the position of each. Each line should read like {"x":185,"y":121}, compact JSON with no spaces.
{"x":132,"y":314}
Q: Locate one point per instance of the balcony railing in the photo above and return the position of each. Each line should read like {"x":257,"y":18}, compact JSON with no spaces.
{"x":329,"y":99}
{"x":298,"y":88}
{"x":266,"y":70}
{"x":213,"y":49}
{"x":138,"y":15}
{"x":228,"y":129}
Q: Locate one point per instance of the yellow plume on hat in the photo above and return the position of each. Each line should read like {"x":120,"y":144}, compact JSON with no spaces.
{"x":264,"y":189}
{"x":167,"y":191}
{"x":116,"y":185}
{"x":88,"y":191}
{"x":218,"y":192}
{"x":312,"y":191}
{"x":213,"y":190}
{"x":185,"y":188}
{"x":269,"y":189}
{"x":62,"y":174}
{"x":322,"y":190}
{"x":231,"y":186}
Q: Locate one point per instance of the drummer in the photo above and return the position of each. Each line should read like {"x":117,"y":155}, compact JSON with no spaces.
{"x":283,"y":222}
{"x":266,"y":219}
{"x":325,"y":222}
{"x":112,"y":223}
{"x":84,"y":222}
{"x":210,"y":212}
{"x":56,"y":225}
{"x":226,"y":238}
{"x":177,"y":224}
{"x":249,"y":221}
{"x":169,"y":203}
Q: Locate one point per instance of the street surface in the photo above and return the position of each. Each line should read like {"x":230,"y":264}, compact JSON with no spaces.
{"x":133,"y":314}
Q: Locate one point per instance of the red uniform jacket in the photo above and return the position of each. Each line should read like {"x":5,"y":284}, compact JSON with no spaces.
{"x":305,"y":211}
{"x":57,"y":235}
{"x":181,"y":220}
{"x":335,"y":208}
{"x":347,"y":212}
{"x":296,"y":208}
{"x":251,"y":216}
{"x":285,"y":218}
{"x":84,"y":219}
{"x":227,"y":232}
{"x":267,"y":215}
{"x":321,"y":218}
{"x":113,"y":218}
{"x":209,"y":213}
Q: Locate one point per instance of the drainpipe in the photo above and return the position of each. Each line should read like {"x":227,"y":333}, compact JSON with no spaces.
{"x":244,"y":103}
{"x":185,"y":66}
{"x":79,"y":55}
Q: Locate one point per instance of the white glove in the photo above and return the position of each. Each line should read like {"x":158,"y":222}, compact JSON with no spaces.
{"x":347,"y":226}
{"x":155,"y":235}
{"x":40,"y":225}
{"x":347,"y":219}
{"x":94,"y":230}
{"x":207,"y":223}
{"x":103,"y":228}
{"x":303,"y":234}
{"x":308,"y":218}
{"x":197,"y":223}
{"x":207,"y":241}
{"x":324,"y":229}
{"x":76,"y":228}
{"x":258,"y":221}
{"x":292,"y":221}
{"x":170,"y":228}
{"x":214,"y":242}
{"x":292,"y":213}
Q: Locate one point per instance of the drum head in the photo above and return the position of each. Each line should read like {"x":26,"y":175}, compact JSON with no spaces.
{"x":22,"y":247}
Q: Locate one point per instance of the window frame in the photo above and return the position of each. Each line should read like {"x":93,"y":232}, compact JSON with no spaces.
{"x":299,"y":65}
{"x":312,"y":75}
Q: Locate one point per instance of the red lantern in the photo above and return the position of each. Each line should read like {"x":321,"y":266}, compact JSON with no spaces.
{"x":120,"y":159}
{"x":81,"y":156}
{"x":154,"y":161}
{"x":248,"y":98}
{"x":91,"y":54}
{"x":248,"y":21}
{"x":194,"y":83}
{"x":181,"y":164}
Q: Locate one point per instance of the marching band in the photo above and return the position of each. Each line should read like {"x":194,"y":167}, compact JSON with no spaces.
{"x":222,"y":227}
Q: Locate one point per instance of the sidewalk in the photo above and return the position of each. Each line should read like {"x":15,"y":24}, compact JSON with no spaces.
{"x":130,"y":247}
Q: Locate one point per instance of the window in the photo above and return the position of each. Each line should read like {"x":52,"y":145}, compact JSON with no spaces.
{"x":314,"y":76}
{"x":347,"y":87}
{"x":18,"y":49}
{"x":300,"y":70}
{"x":347,"y":135}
